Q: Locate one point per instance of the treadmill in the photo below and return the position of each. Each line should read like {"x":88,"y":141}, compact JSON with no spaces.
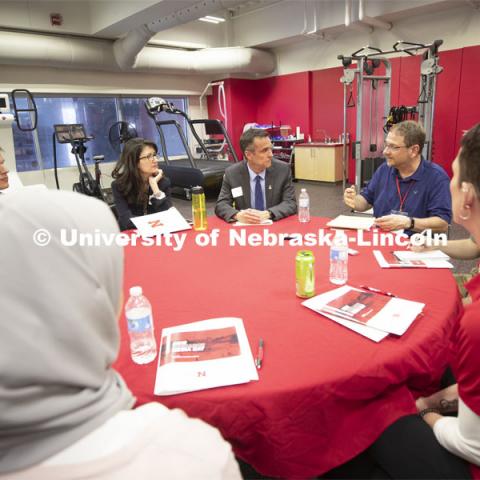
{"x":206,"y":169}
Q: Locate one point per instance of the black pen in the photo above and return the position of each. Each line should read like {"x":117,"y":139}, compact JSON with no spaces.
{"x":376,"y":290}
{"x":259,"y":357}
{"x":397,"y":257}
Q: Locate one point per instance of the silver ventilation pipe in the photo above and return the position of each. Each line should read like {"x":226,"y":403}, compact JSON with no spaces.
{"x":126,"y":49}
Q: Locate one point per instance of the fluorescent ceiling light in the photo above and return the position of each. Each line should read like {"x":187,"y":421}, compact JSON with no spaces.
{"x":218,"y":19}
{"x":207,"y":20}
{"x":211,"y":19}
{"x":177,"y":44}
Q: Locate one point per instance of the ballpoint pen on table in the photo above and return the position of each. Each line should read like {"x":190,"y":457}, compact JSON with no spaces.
{"x":397,"y":257}
{"x":259,"y":357}
{"x":376,"y":290}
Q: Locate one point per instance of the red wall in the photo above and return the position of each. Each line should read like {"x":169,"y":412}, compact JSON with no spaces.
{"x":284,"y":100}
{"x":314,"y":101}
{"x":468,"y":98}
{"x":327,"y":103}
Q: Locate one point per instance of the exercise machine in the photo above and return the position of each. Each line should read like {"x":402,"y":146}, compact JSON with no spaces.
{"x":26,"y":120}
{"x":75,"y":135}
{"x":372,"y":72}
{"x":206,"y":170}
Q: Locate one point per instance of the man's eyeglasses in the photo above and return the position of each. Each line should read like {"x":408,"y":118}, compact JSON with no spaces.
{"x":152,"y":156}
{"x":394,"y":148}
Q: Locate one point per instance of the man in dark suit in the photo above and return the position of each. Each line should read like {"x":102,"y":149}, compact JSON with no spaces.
{"x":260,"y":187}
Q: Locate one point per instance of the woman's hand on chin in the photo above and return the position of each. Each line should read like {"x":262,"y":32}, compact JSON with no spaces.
{"x":155,"y":178}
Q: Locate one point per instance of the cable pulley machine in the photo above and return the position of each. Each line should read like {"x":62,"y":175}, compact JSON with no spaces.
{"x":372,"y":72}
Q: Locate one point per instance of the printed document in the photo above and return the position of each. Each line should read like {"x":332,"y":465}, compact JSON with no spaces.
{"x":375,"y":313}
{"x":169,"y":221}
{"x":206,"y":354}
{"x":409,"y":259}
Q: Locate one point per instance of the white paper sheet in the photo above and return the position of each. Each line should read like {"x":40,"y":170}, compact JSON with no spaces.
{"x":187,"y":376}
{"x":399,"y":261}
{"x":169,"y":221}
{"x":351,"y":222}
{"x":317,"y":303}
{"x":409,"y":255}
{"x":263,"y":222}
{"x":393,"y":315}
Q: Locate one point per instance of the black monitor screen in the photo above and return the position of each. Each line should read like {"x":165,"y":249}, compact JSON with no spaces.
{"x":68,"y":133}
{"x":212,"y":127}
{"x":3,"y":102}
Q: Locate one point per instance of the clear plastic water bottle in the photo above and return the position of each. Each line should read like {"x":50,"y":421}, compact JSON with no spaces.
{"x":138,"y":311}
{"x":303,"y":206}
{"x":339,"y":259}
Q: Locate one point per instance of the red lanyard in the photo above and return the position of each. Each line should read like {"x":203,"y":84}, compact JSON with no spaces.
{"x":404,"y":198}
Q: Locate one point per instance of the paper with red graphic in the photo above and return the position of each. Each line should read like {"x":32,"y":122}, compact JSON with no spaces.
{"x":206,"y":354}
{"x":160,"y":223}
{"x":371,"y":314}
{"x":358,"y":305}
{"x":407,"y":259}
{"x":199,"y":346}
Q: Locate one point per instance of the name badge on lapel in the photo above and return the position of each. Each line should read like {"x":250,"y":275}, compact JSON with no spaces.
{"x":237,"y":192}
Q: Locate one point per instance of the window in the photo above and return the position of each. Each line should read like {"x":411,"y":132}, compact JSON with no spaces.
{"x":134,"y":112}
{"x":34,"y":150}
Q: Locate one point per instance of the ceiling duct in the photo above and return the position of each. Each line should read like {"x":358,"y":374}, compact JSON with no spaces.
{"x":18,"y":48}
{"x":126,"y":49}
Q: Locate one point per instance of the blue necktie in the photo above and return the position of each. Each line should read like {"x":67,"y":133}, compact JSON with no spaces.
{"x":259,"y":194}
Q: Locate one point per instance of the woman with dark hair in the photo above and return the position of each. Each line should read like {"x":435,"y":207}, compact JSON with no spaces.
{"x":139,"y":187}
{"x":430,"y":444}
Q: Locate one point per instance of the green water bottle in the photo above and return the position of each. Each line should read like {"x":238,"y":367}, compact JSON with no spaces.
{"x":199,"y":210}
{"x":305,"y":274}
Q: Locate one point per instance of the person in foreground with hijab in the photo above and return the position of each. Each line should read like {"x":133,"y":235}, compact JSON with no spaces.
{"x":432,"y":445}
{"x":64,"y":412}
{"x":139,"y":188}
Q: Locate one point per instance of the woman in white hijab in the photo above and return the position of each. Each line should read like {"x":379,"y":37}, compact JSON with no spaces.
{"x":64,"y":412}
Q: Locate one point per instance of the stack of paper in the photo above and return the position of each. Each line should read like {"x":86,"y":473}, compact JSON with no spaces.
{"x":351,"y":222}
{"x":263,"y":222}
{"x":371,"y":314}
{"x":206,"y":354}
{"x":160,"y":223}
{"x":409,"y":259}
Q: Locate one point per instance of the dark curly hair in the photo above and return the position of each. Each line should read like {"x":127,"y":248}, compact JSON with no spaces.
{"x":126,"y":173}
{"x":469,"y":158}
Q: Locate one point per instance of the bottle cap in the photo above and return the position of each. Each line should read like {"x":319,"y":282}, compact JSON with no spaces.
{"x":197,"y":190}
{"x":303,"y":190}
{"x":135,"y":291}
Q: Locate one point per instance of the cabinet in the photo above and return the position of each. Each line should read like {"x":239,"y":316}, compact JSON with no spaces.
{"x":283,"y":149}
{"x":319,"y":161}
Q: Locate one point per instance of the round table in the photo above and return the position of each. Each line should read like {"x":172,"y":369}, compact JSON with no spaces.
{"x":325,"y":393}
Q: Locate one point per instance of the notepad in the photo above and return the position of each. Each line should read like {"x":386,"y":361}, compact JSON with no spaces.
{"x":351,"y":222}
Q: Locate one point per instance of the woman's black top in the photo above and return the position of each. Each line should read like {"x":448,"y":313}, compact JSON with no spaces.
{"x":125,"y":210}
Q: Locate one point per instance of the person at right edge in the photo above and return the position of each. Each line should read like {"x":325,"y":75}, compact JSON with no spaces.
{"x":406,"y":192}
{"x":430,"y":444}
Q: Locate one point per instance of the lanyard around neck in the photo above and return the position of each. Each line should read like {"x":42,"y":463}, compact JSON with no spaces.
{"x":403,"y":198}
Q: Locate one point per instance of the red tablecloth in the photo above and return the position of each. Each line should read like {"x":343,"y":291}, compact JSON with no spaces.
{"x":325,"y":393}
